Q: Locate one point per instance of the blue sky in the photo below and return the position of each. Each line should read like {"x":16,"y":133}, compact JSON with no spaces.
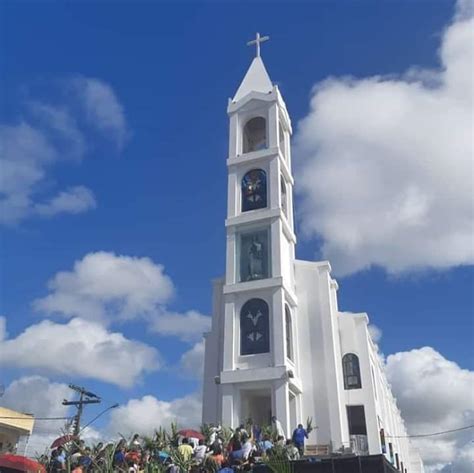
{"x":151,"y":164}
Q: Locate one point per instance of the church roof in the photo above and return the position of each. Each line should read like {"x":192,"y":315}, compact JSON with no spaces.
{"x":256,"y":80}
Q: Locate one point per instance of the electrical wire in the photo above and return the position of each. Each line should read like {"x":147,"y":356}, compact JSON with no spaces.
{"x":430,"y":435}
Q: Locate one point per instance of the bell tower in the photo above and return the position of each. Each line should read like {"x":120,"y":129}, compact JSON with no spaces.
{"x":259,"y":374}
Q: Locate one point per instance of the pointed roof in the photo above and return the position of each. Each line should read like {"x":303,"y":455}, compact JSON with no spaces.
{"x":256,"y":80}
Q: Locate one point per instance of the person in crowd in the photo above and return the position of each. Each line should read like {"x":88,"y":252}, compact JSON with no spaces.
{"x":256,"y":432}
{"x":86,"y":459}
{"x":291,"y":450}
{"x":217,"y":455}
{"x":214,"y":433}
{"x":246,"y":448}
{"x":278,"y":427}
{"x":135,"y":442}
{"x":200,"y":452}
{"x":280,"y":441}
{"x":185,"y":449}
{"x":119,"y":457}
{"x":299,"y":436}
{"x":265,"y":444}
{"x":235,"y":443}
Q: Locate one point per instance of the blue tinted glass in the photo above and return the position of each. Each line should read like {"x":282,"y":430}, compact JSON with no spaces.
{"x":254,"y":190}
{"x":254,"y":328}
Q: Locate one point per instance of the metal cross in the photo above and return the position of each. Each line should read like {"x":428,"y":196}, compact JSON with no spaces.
{"x":258,"y":39}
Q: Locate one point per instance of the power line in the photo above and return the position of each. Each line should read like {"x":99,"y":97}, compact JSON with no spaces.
{"x":430,"y":435}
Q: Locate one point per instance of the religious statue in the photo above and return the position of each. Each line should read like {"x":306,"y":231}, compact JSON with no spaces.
{"x":255,"y":260}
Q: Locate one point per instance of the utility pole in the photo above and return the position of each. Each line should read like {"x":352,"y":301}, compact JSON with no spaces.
{"x":85,"y":397}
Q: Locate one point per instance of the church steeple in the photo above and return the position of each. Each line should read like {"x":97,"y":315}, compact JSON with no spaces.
{"x":257,"y":78}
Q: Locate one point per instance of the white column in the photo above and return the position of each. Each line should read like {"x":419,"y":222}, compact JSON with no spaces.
{"x":234,"y":135}
{"x":231,"y":256}
{"x":282,"y":404}
{"x":273,"y":126}
{"x":228,"y":405}
{"x":229,"y":334}
{"x":278,"y":329}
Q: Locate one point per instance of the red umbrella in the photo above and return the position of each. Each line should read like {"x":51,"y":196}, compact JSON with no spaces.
{"x":60,"y":441}
{"x":19,"y":463}
{"x":191,"y":433}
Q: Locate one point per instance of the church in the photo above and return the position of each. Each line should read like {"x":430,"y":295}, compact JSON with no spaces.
{"x":278,"y":345}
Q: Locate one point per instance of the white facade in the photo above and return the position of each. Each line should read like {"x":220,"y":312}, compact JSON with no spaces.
{"x":278,"y":340}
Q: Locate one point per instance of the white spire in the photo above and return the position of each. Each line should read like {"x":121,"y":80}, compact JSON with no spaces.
{"x":256,"y":79}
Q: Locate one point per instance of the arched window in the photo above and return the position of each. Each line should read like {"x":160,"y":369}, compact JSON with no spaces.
{"x":253,"y":255}
{"x":289,"y":334}
{"x":254,"y":190}
{"x":254,"y":328}
{"x":351,"y":370}
{"x":254,"y":135}
{"x":284,"y":196}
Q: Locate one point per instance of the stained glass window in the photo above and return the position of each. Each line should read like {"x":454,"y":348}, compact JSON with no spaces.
{"x":351,"y":370}
{"x":254,"y":135}
{"x":254,"y":190}
{"x":254,"y":328}
{"x":254,"y":256}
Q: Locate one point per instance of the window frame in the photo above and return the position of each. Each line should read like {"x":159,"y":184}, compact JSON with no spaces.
{"x":354,"y":365}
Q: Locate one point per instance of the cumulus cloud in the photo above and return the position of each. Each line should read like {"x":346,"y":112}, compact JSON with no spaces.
{"x":73,"y":200}
{"x":191,"y":363}
{"x":146,"y":414}
{"x":104,"y":286}
{"x":47,"y":134}
{"x":107,"y":287}
{"x":375,"y":333}
{"x":39,"y":396}
{"x":384,"y":164}
{"x":79,"y":348}
{"x":103,"y":109}
{"x":189,"y":326}
{"x":434,"y":394}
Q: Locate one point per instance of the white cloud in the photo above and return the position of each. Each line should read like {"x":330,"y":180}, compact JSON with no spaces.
{"x":110,"y":288}
{"x":148,"y":413}
{"x":384,"y":164}
{"x":103,"y":109}
{"x":191,"y":363}
{"x":73,"y":200}
{"x":434,"y":394}
{"x":37,"y":395}
{"x":79,"y":348}
{"x":375,"y":333}
{"x":104,"y":286}
{"x":47,"y":134}
{"x":189,"y":326}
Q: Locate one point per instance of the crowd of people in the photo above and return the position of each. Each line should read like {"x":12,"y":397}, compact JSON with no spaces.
{"x":218,"y":450}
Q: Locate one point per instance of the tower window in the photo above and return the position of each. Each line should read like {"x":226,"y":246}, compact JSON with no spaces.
{"x":254,"y":135}
{"x":289,"y":334}
{"x":351,"y":370}
{"x":254,"y":190}
{"x":254,"y":328}
{"x":254,"y":256}
{"x":284,"y":196}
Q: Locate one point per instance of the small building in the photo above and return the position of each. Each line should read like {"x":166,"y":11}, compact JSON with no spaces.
{"x":13,"y":427}
{"x":279,"y":345}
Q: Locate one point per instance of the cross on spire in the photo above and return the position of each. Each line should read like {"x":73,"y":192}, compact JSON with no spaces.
{"x":258,"y":39}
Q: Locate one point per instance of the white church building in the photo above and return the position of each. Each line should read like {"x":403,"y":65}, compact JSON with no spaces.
{"x":279,"y":346}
